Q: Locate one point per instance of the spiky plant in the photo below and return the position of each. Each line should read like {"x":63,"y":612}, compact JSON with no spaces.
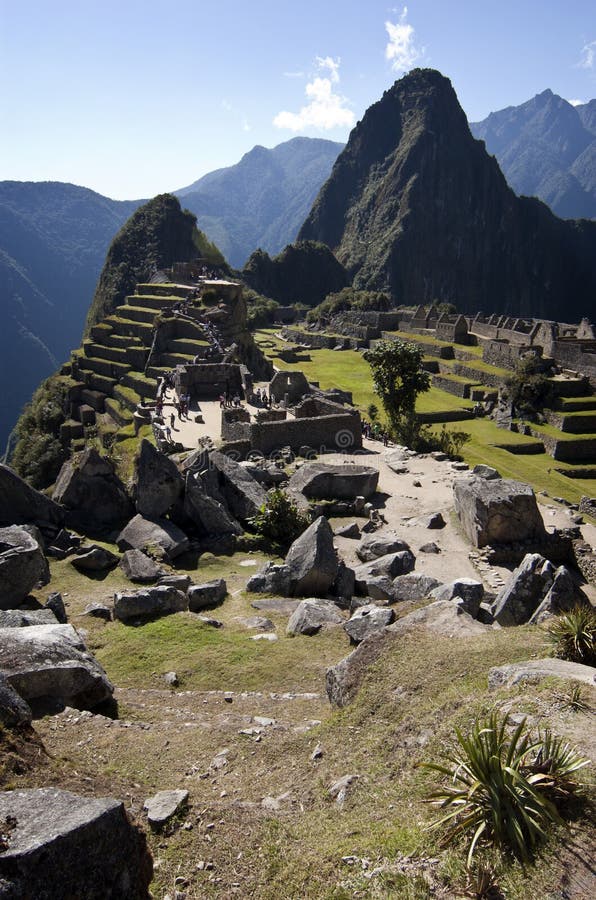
{"x":574,"y":635}
{"x":501,"y":786}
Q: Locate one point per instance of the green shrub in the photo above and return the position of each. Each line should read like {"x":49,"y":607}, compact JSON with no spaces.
{"x":279,"y":519}
{"x":574,"y":635}
{"x":503,"y":786}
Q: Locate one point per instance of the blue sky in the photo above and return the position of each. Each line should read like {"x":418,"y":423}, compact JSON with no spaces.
{"x":136,"y":97}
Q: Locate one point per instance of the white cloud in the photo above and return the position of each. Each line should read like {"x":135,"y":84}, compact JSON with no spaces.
{"x":588,"y":55}
{"x":576,"y":102}
{"x":401,"y":50}
{"x":293,"y":74}
{"x":326,"y":108}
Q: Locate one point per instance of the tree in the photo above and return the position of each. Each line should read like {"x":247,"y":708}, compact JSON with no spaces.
{"x":398,"y":378}
{"x":528,"y":388}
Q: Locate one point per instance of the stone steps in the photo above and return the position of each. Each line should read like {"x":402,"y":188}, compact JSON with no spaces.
{"x":188,"y":345}
{"x":126,"y":396}
{"x":95,"y":399}
{"x":99,"y":351}
{"x":126,"y":327}
{"x":136,"y":314}
{"x":103,"y":367}
{"x":124,"y":341}
{"x":180,"y":291}
{"x":149,"y":301}
{"x":145,"y":387}
{"x":175,"y":359}
{"x":121,"y":415}
{"x":100,"y":331}
{"x":100,"y":383}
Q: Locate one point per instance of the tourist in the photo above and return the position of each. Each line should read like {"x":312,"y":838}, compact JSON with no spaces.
{"x":172,"y":421}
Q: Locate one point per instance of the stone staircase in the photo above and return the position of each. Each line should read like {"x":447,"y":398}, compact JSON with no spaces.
{"x":110,"y":369}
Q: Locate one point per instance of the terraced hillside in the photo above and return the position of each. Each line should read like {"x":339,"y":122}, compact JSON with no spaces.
{"x":558,"y":457}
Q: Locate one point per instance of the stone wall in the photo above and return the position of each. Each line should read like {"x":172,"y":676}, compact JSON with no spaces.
{"x":342,"y":431}
{"x":235,"y":424}
{"x":207,"y":381}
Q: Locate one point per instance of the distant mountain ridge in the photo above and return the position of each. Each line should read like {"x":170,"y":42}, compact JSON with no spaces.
{"x":53,"y":241}
{"x":262,"y":200}
{"x":546,"y":148}
{"x":415,"y":207}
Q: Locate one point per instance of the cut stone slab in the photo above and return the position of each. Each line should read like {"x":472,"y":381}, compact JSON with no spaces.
{"x":142,"y":533}
{"x":380,"y":543}
{"x":322,"y":481}
{"x":14,"y":712}
{"x":94,"y":559}
{"x":537,"y":670}
{"x":207,"y":595}
{"x":158,"y":482}
{"x":311,"y":615}
{"x":442,"y":617}
{"x":312,"y":561}
{"x":140,"y":568}
{"x":95,"y":498}
{"x":243,"y":494}
{"x":484,"y":471}
{"x":148,"y":603}
{"x":22,"y":566}
{"x":378,"y":587}
{"x":497,"y":511}
{"x":469,"y":592}
{"x":180,"y":582}
{"x":52,"y":661}
{"x":64,"y":845}
{"x":20,"y":504}
{"x":366,"y":621}
{"x":260,"y":623}
{"x":98,"y":611}
{"x":525,"y":589}
{"x":413,"y":587}
{"x":163,"y":806}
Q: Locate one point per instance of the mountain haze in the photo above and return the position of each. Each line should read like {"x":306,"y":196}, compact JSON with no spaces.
{"x":416,"y":207}
{"x":53,"y":241}
{"x":262,"y":200}
{"x":547,"y":149}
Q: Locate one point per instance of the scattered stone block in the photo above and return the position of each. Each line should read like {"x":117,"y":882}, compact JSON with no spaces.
{"x":207,"y":595}
{"x":380,"y":543}
{"x":14,"y":712}
{"x":536,"y":670}
{"x":140,"y":568}
{"x":94,"y":559}
{"x":311,"y":615}
{"x":163,"y":806}
{"x":148,"y":603}
{"x":498,"y":511}
{"x":312,"y":560}
{"x":467,"y":591}
{"x":22,"y":566}
{"x":366,"y":621}
{"x":160,"y":534}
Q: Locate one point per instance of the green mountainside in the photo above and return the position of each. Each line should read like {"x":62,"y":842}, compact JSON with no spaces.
{"x":416,"y":207}
{"x":547,"y":149}
{"x":262,"y":200}
{"x":157,"y":235}
{"x":53,"y":241}
{"x":304,"y":272}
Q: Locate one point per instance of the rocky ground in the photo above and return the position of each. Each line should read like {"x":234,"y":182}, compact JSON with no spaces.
{"x":287,"y":796}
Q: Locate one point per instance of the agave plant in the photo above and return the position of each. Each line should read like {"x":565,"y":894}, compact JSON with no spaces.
{"x":502,"y":785}
{"x":574,"y":635}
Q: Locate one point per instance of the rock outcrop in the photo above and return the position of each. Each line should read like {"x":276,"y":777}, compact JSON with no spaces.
{"x":211,"y":517}
{"x":243,"y":494}
{"x":312,"y":561}
{"x":52,"y":661}
{"x":160,"y":534}
{"x":320,"y":481}
{"x":497,"y":511}
{"x":64,"y":845}
{"x":21,"y":504}
{"x":22,"y":566}
{"x":93,"y":496}
{"x":159,"y":484}
{"x":312,"y":614}
{"x":148,"y":603}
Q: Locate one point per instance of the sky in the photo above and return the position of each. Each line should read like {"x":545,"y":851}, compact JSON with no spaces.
{"x":136,"y":97}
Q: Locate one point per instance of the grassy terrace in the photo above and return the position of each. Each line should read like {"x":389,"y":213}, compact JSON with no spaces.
{"x":348,"y":371}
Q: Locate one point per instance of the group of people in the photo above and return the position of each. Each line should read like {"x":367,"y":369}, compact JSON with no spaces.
{"x":181,"y":405}
{"x":226,"y":401}
{"x":261,"y":398}
{"x":375,"y":432}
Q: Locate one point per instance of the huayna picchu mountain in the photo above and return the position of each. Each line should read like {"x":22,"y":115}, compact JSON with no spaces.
{"x":416,"y":207}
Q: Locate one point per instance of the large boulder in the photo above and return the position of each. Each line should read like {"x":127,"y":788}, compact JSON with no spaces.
{"x":148,"y":603}
{"x":392,"y":564}
{"x":94,"y":559}
{"x":243,"y":494}
{"x":443,"y":617}
{"x":322,"y":481}
{"x":22,"y":565}
{"x":312,"y":561}
{"x":536,"y":670}
{"x":380,"y":543}
{"x":14,"y":712}
{"x":64,"y":845}
{"x":25,"y":618}
{"x":21,"y":504}
{"x":207,"y":595}
{"x":272,"y":579}
{"x":94,"y":497}
{"x":413,"y":587}
{"x":561,"y":597}
{"x":52,"y":661}
{"x":525,"y":589}
{"x":139,"y":567}
{"x":468,"y":591}
{"x":368,"y":620}
{"x":154,"y":534}
{"x":312,"y":614}
{"x":158,"y":482}
{"x":497,"y":511}
{"x":209,"y":515}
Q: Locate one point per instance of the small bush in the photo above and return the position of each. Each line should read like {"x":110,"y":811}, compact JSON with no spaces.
{"x":279,"y":519}
{"x":504,"y":786}
{"x":574,"y":635}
